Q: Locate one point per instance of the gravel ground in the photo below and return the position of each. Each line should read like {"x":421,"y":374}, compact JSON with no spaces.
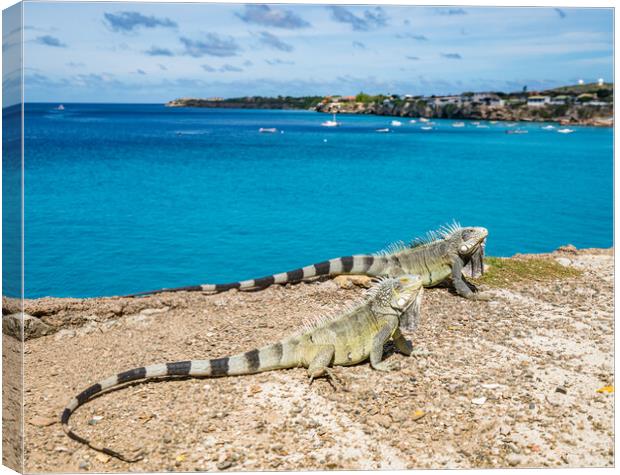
{"x":509,"y":383}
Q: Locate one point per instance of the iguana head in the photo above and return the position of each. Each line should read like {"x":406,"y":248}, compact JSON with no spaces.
{"x":469,"y":245}
{"x":401,"y":296}
{"x":470,"y":239}
{"x":453,"y":239}
{"x":406,"y":291}
{"x":408,"y":299}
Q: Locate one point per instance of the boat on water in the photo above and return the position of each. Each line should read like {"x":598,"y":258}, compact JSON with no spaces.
{"x":412,"y":121}
{"x":396,"y":123}
{"x":482,"y":126}
{"x":458,"y":124}
{"x":267,"y":130}
{"x":60,"y":108}
{"x":424,"y":119}
{"x":493,"y":122}
{"x":548,"y":127}
{"x":475,"y":123}
{"x":383,"y":131}
{"x":566,"y":131}
{"x":516,"y":132}
{"x":426,"y":127}
{"x":331,"y":123}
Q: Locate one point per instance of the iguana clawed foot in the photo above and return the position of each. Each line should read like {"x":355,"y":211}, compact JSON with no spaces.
{"x":333,"y":379}
{"x":389,"y":365}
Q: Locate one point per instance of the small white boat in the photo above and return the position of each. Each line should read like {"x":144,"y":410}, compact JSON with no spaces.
{"x":566,"y":131}
{"x":516,"y":132}
{"x":396,"y":123}
{"x":60,"y":108}
{"x":493,"y":122}
{"x":331,"y":123}
{"x":458,"y":124}
{"x":475,"y":123}
{"x":482,"y":126}
{"x":267,"y":130}
{"x":426,"y":127}
{"x":548,"y":127}
{"x":423,"y":119}
{"x":382,"y":131}
{"x":412,"y":121}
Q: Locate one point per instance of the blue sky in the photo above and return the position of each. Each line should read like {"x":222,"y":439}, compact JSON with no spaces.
{"x":136,"y":52}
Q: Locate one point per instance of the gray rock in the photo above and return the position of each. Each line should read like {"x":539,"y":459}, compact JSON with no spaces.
{"x":33,"y":326}
{"x":224,"y":465}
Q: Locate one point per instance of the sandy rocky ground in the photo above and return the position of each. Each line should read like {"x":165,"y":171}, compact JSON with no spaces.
{"x":509,"y":383}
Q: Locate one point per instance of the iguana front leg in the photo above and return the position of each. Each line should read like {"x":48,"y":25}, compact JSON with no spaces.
{"x":319,"y":363}
{"x":460,"y":286}
{"x":378,"y":341}
{"x":405,"y":346}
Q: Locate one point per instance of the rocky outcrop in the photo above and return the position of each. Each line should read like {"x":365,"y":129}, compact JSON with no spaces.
{"x":570,"y":114}
{"x":33,"y":326}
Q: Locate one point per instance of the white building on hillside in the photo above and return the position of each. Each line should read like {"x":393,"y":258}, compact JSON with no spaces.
{"x":538,"y":101}
{"x":487,"y":98}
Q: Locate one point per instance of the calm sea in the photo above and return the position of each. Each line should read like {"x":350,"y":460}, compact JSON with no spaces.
{"x":123,"y":198}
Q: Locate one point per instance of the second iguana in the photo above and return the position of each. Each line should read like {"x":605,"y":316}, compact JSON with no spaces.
{"x":441,"y":255}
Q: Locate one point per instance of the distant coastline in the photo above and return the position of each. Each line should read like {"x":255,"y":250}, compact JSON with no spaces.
{"x":583,"y":104}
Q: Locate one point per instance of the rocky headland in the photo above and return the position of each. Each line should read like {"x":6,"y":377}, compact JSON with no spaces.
{"x":574,"y":114}
{"x":585,"y":104}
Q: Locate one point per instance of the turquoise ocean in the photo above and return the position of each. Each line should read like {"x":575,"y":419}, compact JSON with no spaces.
{"x":124,"y":198}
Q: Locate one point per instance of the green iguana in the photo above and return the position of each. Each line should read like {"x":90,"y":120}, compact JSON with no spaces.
{"x":440,"y":255}
{"x":349,"y":338}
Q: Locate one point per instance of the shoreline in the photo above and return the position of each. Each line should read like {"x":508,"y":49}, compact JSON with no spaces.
{"x":593,"y":122}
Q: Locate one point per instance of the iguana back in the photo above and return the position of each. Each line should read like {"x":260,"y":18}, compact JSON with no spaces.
{"x":432,"y":258}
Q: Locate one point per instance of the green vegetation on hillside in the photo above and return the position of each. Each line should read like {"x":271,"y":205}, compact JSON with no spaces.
{"x":367,"y":98}
{"x":590,"y":88}
{"x":303,"y":102}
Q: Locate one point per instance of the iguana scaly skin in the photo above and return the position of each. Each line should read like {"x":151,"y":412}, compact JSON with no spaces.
{"x":442,"y":254}
{"x":352,"y":337}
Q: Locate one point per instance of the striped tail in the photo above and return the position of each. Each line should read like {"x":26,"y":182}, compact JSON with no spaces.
{"x":270,"y":357}
{"x":367,"y":264}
